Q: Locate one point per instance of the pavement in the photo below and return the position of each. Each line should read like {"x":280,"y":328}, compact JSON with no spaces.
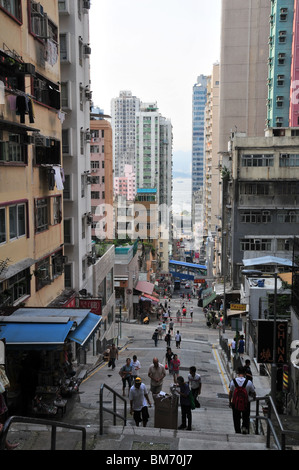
{"x":212,"y":424}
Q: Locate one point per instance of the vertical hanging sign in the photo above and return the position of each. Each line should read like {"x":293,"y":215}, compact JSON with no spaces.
{"x":265,"y":341}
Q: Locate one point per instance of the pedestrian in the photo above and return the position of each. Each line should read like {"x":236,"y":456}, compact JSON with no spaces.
{"x":4,"y":386}
{"x":171,"y":326}
{"x":184,"y":311}
{"x":160,"y":331}
{"x":185,"y":402}
{"x":156,"y":373}
{"x":178,"y":339}
{"x":113,"y":355}
{"x":241,"y":345}
{"x":168,"y":338}
{"x":126,"y":375}
{"x":240,"y":391}
{"x":136,"y":366}
{"x":175,"y":367}
{"x":191,"y":314}
{"x":233,"y":345}
{"x":164,"y":327}
{"x":155,"y":337}
{"x":178,"y":316}
{"x":248,"y":373}
{"x":194,"y":380}
{"x":139,"y":400}
{"x":168,"y":356}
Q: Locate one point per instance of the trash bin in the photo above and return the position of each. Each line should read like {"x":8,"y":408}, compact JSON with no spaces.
{"x":166,"y":411}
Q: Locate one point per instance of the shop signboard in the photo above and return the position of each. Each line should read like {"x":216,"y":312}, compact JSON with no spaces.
{"x":94,"y":305}
{"x":265,"y":341}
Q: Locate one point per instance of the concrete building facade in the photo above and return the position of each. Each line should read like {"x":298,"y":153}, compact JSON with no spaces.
{"x":76,"y":96}
{"x":31,"y":203}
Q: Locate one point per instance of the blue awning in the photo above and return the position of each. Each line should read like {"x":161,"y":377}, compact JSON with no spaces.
{"x":188,"y":265}
{"x":86,"y":329}
{"x":35,"y":334}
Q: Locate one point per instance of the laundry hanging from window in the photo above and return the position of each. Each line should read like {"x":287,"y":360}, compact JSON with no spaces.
{"x":24,"y":105}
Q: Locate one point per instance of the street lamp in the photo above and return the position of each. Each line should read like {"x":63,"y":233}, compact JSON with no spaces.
{"x":256,"y":273}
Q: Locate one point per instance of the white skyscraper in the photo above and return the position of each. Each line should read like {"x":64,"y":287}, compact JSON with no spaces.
{"x":123,"y":113}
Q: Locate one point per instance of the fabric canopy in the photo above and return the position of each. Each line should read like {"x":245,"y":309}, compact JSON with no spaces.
{"x":267,"y":260}
{"x":86,"y":329}
{"x":144,"y":286}
{"x":150,"y":297}
{"x":35,"y":334}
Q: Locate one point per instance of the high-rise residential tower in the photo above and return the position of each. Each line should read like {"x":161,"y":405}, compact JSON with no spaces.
{"x":280,"y":62}
{"x":123,"y":113}
{"x":199,"y":100}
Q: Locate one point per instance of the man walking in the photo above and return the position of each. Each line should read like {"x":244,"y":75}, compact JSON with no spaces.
{"x":194,"y":380}
{"x":156,"y":373}
{"x":185,"y":403}
{"x":240,"y":391}
{"x":126,"y":375}
{"x":178,"y":339}
{"x":113,"y":355}
{"x":139,"y":400}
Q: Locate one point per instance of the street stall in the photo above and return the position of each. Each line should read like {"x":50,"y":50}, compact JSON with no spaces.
{"x":42,"y":346}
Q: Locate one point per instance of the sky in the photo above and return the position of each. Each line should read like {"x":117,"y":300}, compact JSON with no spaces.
{"x":156,"y":49}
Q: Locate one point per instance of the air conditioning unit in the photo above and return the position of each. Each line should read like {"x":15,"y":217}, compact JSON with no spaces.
{"x":87,"y":49}
{"x":88,"y":95}
{"x":87,"y":136}
{"x":89,"y":219}
{"x":91,"y":179}
{"x":86,"y":4}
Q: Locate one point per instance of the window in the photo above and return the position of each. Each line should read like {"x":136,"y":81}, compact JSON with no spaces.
{"x":17,"y":223}
{"x":257,"y":160}
{"x":279,"y":101}
{"x":13,"y":7}
{"x":41,"y":214}
{"x":68,"y":237}
{"x":2,"y":225}
{"x":254,"y":244}
{"x":64,"y":47}
{"x":57,"y":215}
{"x":255,"y":217}
{"x":288,"y":160}
{"x":288,"y":217}
{"x":281,"y":58}
{"x":42,"y":273}
{"x":282,"y":37}
{"x":280,"y":80}
{"x":283,"y":14}
{"x":19,"y":285}
{"x":67,"y":187}
{"x":13,"y":148}
{"x":46,"y":92}
{"x":94,"y":164}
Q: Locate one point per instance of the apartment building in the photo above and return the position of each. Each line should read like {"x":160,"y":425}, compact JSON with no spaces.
{"x":75,"y":53}
{"x":31,"y":176}
{"x":123,"y":113}
{"x":212,"y":169}
{"x":262,"y":205}
{"x":101,"y":174}
{"x":126,"y":185}
{"x":280,"y":62}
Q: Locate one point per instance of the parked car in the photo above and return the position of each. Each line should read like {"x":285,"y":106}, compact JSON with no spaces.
{"x":187,"y":286}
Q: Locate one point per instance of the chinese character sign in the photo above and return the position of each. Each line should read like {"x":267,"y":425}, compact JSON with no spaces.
{"x":265,"y":341}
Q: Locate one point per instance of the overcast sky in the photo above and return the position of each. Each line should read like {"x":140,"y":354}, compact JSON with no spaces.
{"x":156,"y":49}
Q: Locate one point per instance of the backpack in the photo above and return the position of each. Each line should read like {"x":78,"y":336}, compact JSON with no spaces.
{"x":240,"y":396}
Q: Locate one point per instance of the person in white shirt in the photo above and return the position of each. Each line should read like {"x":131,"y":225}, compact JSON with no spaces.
{"x":139,"y":400}
{"x":194,"y":380}
{"x":240,"y":381}
{"x":136,"y":366}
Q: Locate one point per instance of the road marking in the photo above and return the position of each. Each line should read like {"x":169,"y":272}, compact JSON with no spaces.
{"x":223,"y":377}
{"x":99,"y":368}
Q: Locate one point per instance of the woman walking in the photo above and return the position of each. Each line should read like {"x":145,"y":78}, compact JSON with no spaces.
{"x":175,"y":367}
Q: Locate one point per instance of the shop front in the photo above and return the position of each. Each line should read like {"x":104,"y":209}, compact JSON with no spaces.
{"x":42,"y":347}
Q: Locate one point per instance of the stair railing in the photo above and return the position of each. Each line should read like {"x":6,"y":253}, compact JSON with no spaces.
{"x":41,"y":422}
{"x":108,"y":410}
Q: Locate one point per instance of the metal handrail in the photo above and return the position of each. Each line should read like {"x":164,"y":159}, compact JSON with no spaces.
{"x":281,"y":444}
{"x":114,"y":412}
{"x":41,"y":422}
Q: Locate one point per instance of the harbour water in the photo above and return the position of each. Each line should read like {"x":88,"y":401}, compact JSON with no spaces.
{"x":181,"y":195}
